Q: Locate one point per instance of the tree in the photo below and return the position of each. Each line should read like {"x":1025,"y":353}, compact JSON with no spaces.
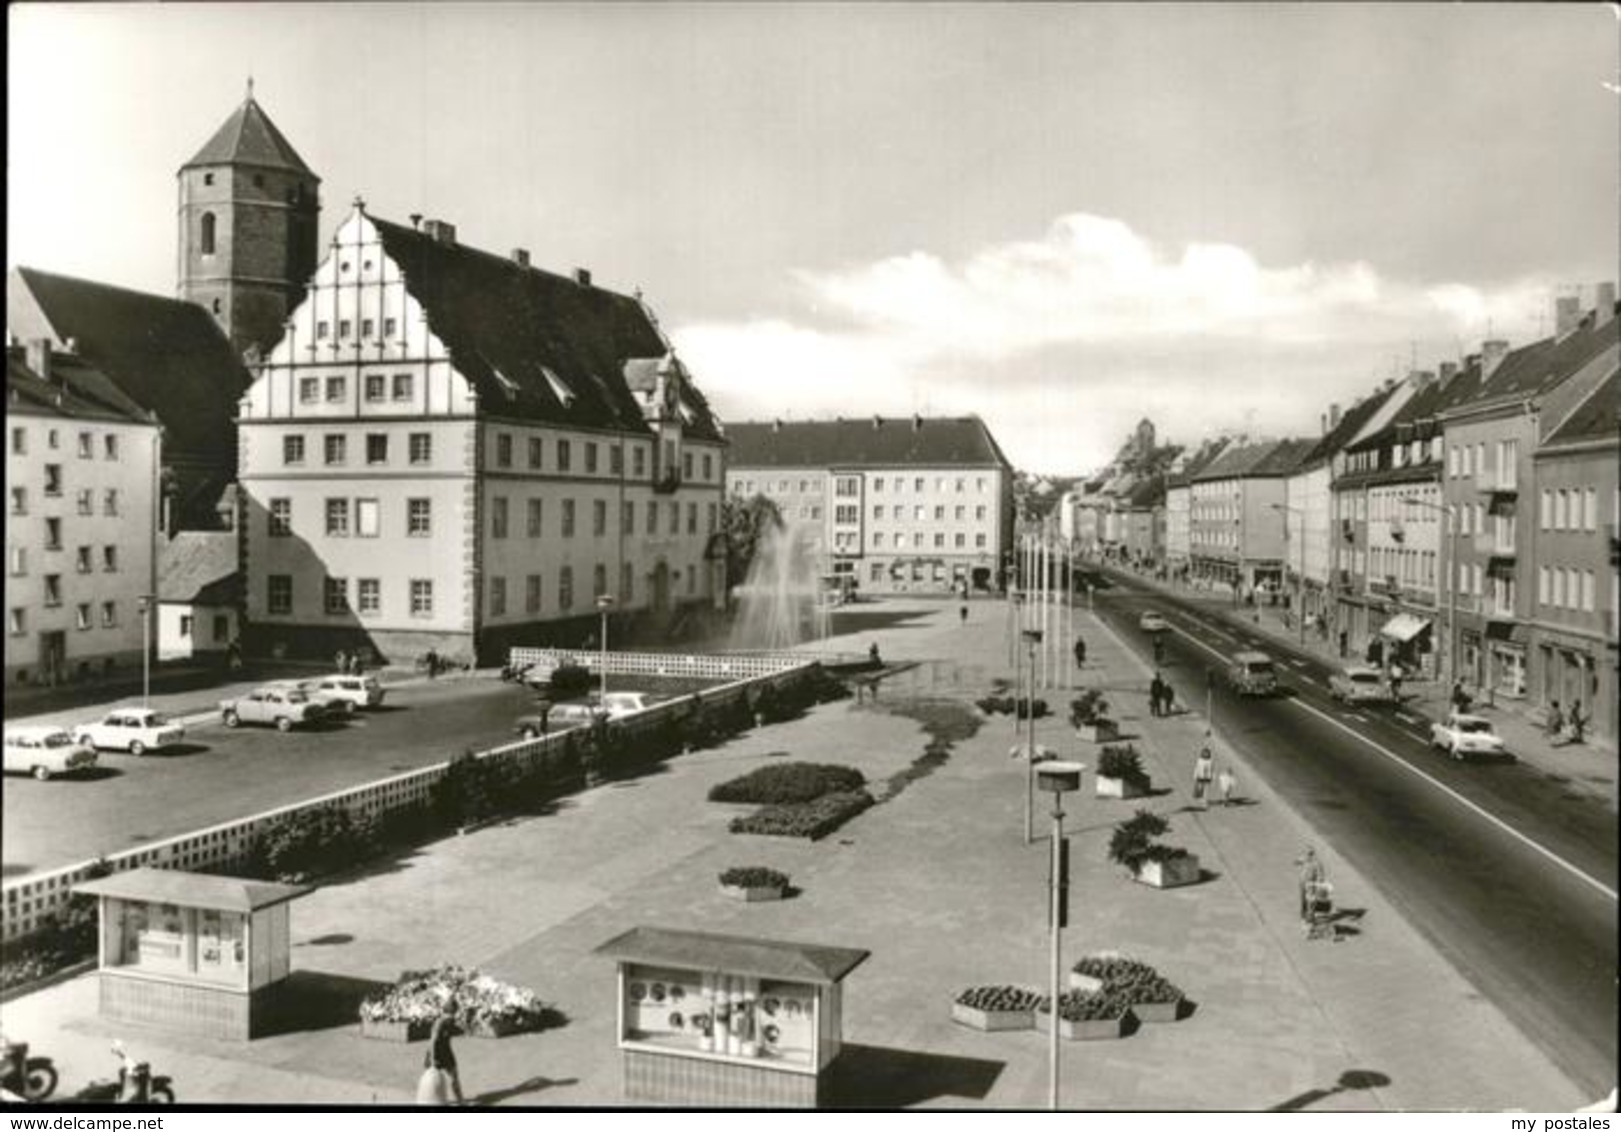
{"x":745,"y":522}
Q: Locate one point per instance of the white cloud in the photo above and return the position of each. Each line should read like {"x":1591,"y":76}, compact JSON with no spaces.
{"x":1073,"y":334}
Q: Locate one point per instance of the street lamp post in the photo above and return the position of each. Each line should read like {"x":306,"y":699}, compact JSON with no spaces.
{"x":1058,"y":778}
{"x":144,"y":603}
{"x":1033,"y":638}
{"x":605,"y":602}
{"x":1449,"y":575}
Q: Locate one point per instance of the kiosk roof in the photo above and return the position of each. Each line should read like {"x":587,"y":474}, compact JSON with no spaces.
{"x":193,"y":890}
{"x":740,"y":955}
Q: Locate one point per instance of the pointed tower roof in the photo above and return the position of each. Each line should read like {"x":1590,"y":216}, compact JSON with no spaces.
{"x":249,"y":137}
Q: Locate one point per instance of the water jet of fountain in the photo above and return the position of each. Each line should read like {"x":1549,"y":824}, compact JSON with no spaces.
{"x":781,"y":602}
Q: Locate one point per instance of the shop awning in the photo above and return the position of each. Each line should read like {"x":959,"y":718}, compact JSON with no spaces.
{"x":738,"y":955}
{"x":1404,"y":627}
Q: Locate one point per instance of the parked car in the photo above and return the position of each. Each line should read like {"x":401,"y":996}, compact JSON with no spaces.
{"x":1253,"y":674}
{"x":337,"y":706}
{"x":280,"y":706}
{"x":1359,"y":684}
{"x":1152,"y":623}
{"x":1463,"y":735}
{"x":560,"y":717}
{"x":43,"y":751}
{"x":358,"y":691}
{"x":136,"y":730}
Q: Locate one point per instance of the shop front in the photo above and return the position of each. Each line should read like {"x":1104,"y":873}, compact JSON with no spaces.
{"x":707,"y":1020}
{"x":190,"y":952}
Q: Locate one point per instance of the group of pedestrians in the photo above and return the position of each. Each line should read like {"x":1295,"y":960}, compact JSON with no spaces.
{"x":1206,"y":779}
{"x":1573,"y":728}
{"x":1161,"y":696}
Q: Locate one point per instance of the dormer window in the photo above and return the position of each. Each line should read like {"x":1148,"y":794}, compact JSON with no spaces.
{"x":508,"y":386}
{"x":562,"y":392}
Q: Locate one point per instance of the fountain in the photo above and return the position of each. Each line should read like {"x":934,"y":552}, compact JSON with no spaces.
{"x":781,"y":603}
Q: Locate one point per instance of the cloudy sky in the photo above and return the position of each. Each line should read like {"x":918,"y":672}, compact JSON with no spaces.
{"x":1061,"y":217}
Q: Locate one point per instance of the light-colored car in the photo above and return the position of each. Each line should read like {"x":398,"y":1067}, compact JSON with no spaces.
{"x":1359,"y":684}
{"x":1152,"y":623}
{"x":1463,"y":735}
{"x":136,"y":730}
{"x":1252,"y":674}
{"x":43,"y":751}
{"x":337,"y":706}
{"x":361,"y":691}
{"x":561,"y":717}
{"x":278,"y":705}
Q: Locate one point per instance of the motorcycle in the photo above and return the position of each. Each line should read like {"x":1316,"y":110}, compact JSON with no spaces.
{"x":135,"y":1084}
{"x":31,"y":1078}
{"x":515,"y":673}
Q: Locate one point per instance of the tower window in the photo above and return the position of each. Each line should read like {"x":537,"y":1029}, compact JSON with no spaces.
{"x":258,"y":181}
{"x":208,"y":178}
{"x":216,"y":306}
{"x":206,"y":237}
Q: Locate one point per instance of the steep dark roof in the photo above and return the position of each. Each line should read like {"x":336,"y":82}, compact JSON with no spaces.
{"x":877,"y":442}
{"x":507,"y":324}
{"x":1147,"y":493}
{"x":75,"y":390}
{"x":200,"y":567}
{"x":249,"y":137}
{"x":1596,"y":418}
{"x":1349,"y":424}
{"x":1208,"y":452}
{"x":166,"y":355}
{"x":1236,"y":461}
{"x":1284,"y":459}
{"x":1531,"y":369}
{"x":1423,"y":407}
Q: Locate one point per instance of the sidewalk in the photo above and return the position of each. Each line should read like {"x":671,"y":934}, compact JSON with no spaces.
{"x":1589,"y":767}
{"x":936,"y":881}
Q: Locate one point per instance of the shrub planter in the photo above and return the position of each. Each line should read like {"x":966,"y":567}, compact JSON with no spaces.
{"x":995,"y":1008}
{"x":394,"y":1031}
{"x":753,"y":893}
{"x":1088,"y":1030}
{"x":1103,"y":731}
{"x":753,"y":883}
{"x":1172,"y":873}
{"x":1119,"y":787}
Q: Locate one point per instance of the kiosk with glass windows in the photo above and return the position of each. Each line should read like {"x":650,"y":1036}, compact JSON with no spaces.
{"x":190,"y":952}
{"x":708,"y":1020}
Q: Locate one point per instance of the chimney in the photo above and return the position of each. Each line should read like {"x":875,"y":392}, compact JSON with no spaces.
{"x":38,"y":355}
{"x":1419,"y":378}
{"x":1449,"y":370}
{"x":917,"y":422}
{"x":1567,"y":315}
{"x":1334,"y":415}
{"x":582,"y":276}
{"x":877,"y":421}
{"x":1604,"y":302}
{"x":1491,"y":356}
{"x":520,"y":256}
{"x":416,"y":221}
{"x":1322,"y":424}
{"x":440,"y":231}
{"x":776,"y":425}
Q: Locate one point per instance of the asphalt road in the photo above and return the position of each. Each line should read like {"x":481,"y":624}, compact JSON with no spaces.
{"x":1497,"y":863}
{"x":222,"y":774}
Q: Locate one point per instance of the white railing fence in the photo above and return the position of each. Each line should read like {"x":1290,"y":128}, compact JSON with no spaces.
{"x":28,"y":900}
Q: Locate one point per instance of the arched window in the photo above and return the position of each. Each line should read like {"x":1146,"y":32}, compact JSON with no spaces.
{"x":208,"y":233}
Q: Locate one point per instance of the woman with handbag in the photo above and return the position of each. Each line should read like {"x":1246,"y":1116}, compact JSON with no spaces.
{"x":440,"y":1078}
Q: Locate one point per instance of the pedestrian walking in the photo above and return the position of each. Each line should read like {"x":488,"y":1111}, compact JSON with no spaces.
{"x":1080,"y":653}
{"x":1167,"y":697}
{"x":341,"y":662}
{"x":1395,"y":681}
{"x":1204,"y":770}
{"x":1226,"y":781}
{"x":441,"y":1078}
{"x":432,"y":661}
{"x":962,"y":614}
{"x":543,"y":708}
{"x":1460,"y":698}
{"x":1311,"y":877}
{"x":1556,"y":722}
{"x":873,"y":657}
{"x":1345,"y":644}
{"x":1578,"y":722}
{"x":1156,"y":691}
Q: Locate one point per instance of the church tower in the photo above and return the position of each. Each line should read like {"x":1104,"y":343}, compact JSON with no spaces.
{"x":249,"y":209}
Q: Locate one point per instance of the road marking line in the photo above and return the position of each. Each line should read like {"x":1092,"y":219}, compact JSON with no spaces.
{"x":1453,"y":794}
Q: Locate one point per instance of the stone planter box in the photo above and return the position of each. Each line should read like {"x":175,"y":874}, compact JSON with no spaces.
{"x":753,"y":894}
{"x":1169,"y":874}
{"x":1156,"y":1011}
{"x":1117,"y":788}
{"x":395,"y":1031}
{"x":1103,"y":731}
{"x":992,"y":1020}
{"x":1092,"y":1029}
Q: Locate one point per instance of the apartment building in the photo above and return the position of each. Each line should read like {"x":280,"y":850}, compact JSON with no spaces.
{"x":908,"y":505}
{"x":82,"y":469}
{"x":1235,"y":515}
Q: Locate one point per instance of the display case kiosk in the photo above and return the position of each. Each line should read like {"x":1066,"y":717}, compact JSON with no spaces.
{"x":714,"y":1021}
{"x":190,"y":952}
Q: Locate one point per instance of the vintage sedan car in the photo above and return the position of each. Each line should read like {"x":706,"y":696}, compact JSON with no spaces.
{"x":1359,"y":684}
{"x":338,"y":705}
{"x":1253,"y":674}
{"x":1463,"y":735}
{"x":1152,"y":622}
{"x":561,"y":717}
{"x":45,"y":751}
{"x":278,"y":705}
{"x":136,"y":730}
{"x":359,"y":691}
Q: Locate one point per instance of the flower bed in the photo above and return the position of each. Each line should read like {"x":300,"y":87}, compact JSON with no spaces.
{"x":1151,"y":996}
{"x":784,"y":783}
{"x":1084,"y":1016}
{"x":485,"y":1006}
{"x":754,"y":883}
{"x":995,"y":1008}
{"x":1020,"y":706}
{"x":805,"y":819}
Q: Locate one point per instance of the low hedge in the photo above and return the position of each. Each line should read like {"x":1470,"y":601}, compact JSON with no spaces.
{"x":1131,"y":979}
{"x":753,"y":876}
{"x":785,"y":783}
{"x":1000,"y":997}
{"x":805,"y":819}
